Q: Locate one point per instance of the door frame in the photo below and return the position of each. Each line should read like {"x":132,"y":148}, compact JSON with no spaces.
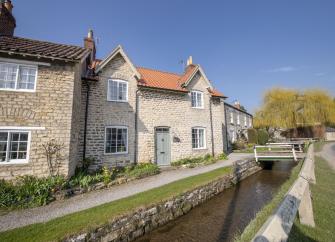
{"x":155,"y":137}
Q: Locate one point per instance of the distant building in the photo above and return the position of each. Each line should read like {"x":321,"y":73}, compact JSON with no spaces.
{"x":238,"y":121}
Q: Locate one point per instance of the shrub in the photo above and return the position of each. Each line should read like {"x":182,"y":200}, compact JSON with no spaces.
{"x":30,"y":191}
{"x":222,"y":156}
{"x":252,"y":136}
{"x":239,"y":145}
{"x":142,"y":170}
{"x":263,"y":137}
{"x":106,"y":175}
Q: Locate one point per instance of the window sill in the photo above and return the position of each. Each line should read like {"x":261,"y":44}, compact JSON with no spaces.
{"x":17,"y":90}
{"x":119,"y":153}
{"x":117,"y":101}
{"x":199,"y":149}
{"x":18,"y":162}
{"x":198,"y":107}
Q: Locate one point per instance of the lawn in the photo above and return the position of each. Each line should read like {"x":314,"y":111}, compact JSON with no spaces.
{"x":323,"y":193}
{"x":95,"y":217}
{"x":261,"y":217}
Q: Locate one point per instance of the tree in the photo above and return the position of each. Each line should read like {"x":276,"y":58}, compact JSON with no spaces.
{"x":286,"y":108}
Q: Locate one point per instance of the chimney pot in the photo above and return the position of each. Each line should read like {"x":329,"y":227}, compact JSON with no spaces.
{"x":189,"y":60}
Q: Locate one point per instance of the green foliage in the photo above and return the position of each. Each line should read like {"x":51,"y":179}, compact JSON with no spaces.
{"x":30,"y":191}
{"x":142,"y":170}
{"x":106,"y":174}
{"x":263,"y":137}
{"x":201,"y":160}
{"x":90,"y":219}
{"x":286,"y":108}
{"x":222,"y":156}
{"x":252,"y":136}
{"x":239,"y":145}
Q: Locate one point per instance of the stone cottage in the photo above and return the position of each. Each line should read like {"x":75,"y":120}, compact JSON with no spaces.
{"x":40,"y":91}
{"x":238,"y":122}
{"x":109,"y":110}
{"x":137,"y":114}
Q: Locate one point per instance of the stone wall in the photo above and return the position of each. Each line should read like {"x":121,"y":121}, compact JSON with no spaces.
{"x":234,"y":129}
{"x":102,"y":113}
{"x":173,"y":110}
{"x":141,"y":221}
{"x":50,"y":108}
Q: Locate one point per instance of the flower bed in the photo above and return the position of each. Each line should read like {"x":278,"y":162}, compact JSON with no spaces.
{"x":198,"y":161}
{"x":30,"y":191}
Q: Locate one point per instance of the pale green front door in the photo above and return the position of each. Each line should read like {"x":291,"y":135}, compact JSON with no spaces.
{"x":163,"y":152}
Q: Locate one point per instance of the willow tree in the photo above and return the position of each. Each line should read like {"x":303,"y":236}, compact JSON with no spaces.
{"x":286,"y":108}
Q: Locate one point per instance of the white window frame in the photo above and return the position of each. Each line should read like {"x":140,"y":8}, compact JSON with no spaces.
{"x":250,"y":122}
{"x":245,"y":121}
{"x":204,"y":141}
{"x":108,"y":90}
{"x":196,"y":97}
{"x":127,"y":141}
{"x":17,"y":77}
{"x":16,"y":161}
{"x":238,"y":119}
{"x":231,"y":117}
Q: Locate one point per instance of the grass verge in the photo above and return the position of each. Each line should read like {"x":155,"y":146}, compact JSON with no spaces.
{"x":318,"y":146}
{"x":261,"y":217}
{"x":323,"y":193}
{"x":92,"y":218}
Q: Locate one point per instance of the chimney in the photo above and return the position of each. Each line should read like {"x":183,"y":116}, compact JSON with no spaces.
{"x":89,"y":43}
{"x":7,"y":20}
{"x":9,"y":5}
{"x":189,"y":61}
{"x":237,"y":104}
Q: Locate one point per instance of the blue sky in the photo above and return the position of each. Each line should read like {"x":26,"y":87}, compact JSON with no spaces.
{"x":245,"y":47}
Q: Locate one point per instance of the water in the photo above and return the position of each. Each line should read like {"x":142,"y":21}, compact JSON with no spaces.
{"x":220,"y":218}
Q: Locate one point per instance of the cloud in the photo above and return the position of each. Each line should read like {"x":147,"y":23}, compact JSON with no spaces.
{"x":321,"y":73}
{"x":283,"y":69}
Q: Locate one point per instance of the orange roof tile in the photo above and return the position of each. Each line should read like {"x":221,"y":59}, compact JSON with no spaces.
{"x":169,"y":81}
{"x":160,"y":79}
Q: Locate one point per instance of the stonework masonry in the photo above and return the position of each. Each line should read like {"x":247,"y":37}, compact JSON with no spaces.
{"x":49,"y":107}
{"x":143,"y":220}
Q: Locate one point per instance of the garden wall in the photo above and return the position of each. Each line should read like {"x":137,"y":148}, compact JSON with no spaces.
{"x":144,"y":220}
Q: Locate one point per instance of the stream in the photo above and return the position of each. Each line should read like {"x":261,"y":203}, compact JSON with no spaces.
{"x":221,"y":217}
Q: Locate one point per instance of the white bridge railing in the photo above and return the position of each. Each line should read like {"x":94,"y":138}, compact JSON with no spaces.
{"x":297,"y":200}
{"x":275,"y":150}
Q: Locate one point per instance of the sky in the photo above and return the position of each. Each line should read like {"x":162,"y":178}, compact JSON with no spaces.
{"x":245,"y":47}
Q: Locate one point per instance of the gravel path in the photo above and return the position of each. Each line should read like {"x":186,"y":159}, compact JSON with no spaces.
{"x":56,"y":209}
{"x":328,"y":153}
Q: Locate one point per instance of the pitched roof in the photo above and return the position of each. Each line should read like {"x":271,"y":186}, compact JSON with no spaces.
{"x":160,"y":79}
{"x":43,"y":49}
{"x":170,"y":81}
{"x":216,"y":93}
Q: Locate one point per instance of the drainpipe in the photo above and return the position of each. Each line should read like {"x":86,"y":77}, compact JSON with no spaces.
{"x":211,"y":120}
{"x":136,"y":127}
{"x":86,"y":117}
{"x":226,"y":124}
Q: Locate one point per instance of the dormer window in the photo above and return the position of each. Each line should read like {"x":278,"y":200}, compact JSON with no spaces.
{"x":17,"y":77}
{"x":197,"y":98}
{"x":117,"y":90}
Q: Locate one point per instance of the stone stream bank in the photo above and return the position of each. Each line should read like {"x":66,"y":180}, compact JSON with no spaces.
{"x":137,"y":223}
